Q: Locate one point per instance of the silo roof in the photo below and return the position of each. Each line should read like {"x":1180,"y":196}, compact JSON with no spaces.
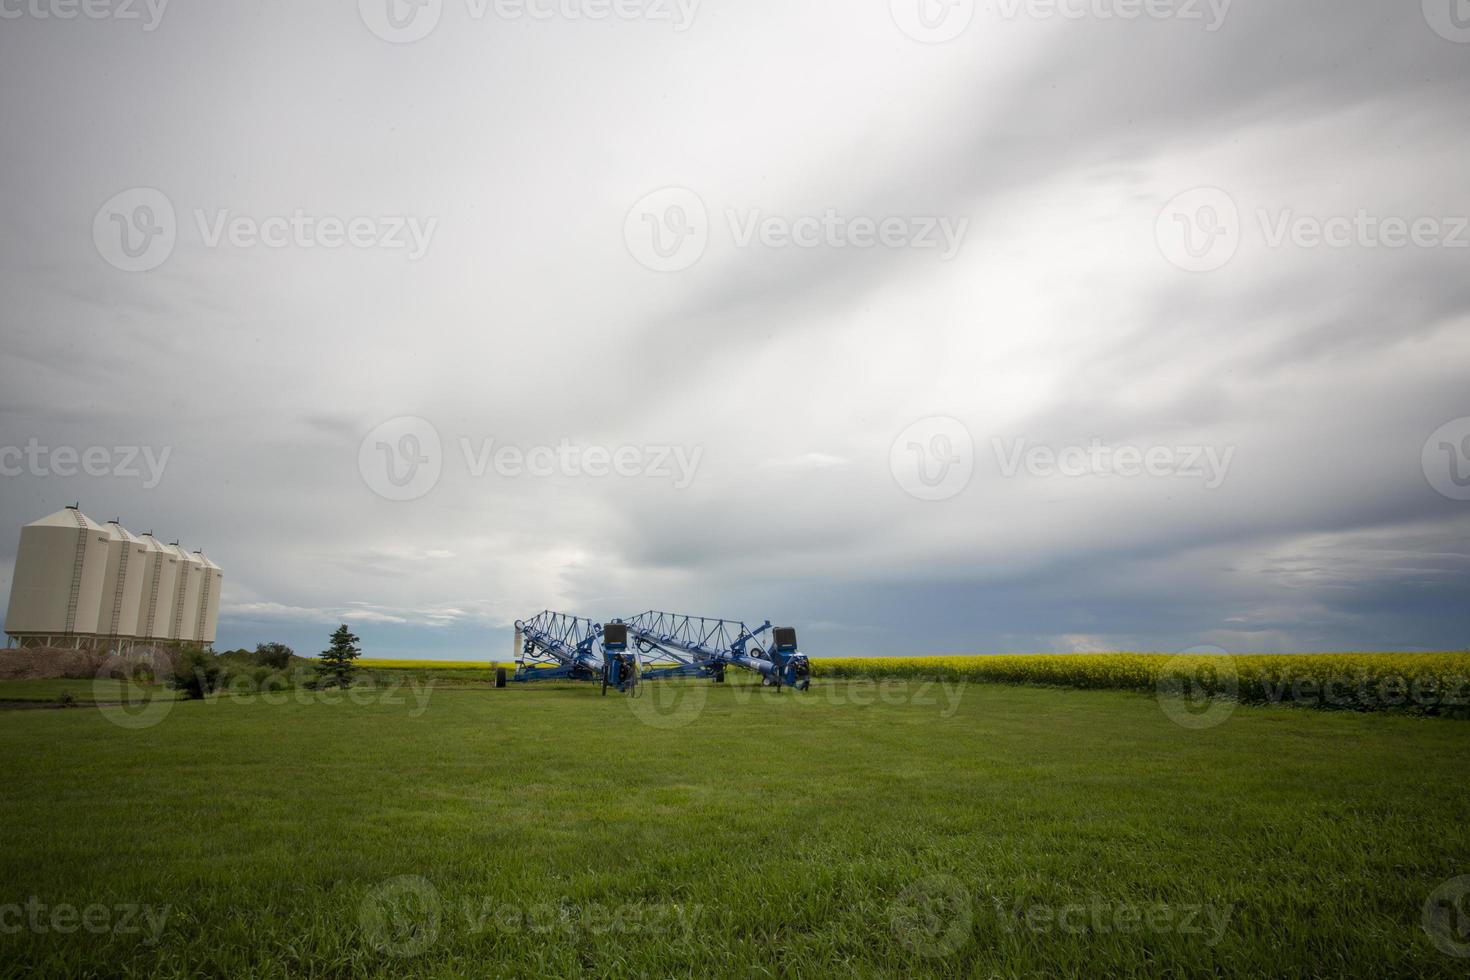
{"x":67,"y":517}
{"x":116,"y":531}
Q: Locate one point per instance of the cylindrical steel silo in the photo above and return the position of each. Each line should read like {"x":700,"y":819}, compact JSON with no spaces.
{"x":122,"y":584}
{"x":209,"y":589}
{"x":146,"y":565}
{"x":157,"y":601}
{"x":56,"y":591}
{"x":186,"y":591}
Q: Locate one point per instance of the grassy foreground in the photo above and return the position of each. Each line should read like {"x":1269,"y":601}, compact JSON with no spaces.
{"x":865,"y":828}
{"x":53,"y":690}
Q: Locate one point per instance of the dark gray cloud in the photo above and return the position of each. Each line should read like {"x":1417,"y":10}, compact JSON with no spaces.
{"x":790,"y":371}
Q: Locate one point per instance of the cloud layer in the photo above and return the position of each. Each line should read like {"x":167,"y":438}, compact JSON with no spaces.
{"x":785,"y":359}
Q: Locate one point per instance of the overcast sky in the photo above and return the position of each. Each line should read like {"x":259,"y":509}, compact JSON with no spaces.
{"x":922,"y":327}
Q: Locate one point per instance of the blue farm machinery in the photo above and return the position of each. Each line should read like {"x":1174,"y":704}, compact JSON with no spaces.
{"x":677,"y":645}
{"x":652,"y":646}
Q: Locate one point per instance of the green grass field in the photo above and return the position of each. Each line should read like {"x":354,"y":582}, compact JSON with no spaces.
{"x":104,"y":689}
{"x":858,"y":829}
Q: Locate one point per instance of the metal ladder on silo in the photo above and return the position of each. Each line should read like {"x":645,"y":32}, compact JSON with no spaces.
{"x":75,"y":596}
{"x":203,"y":605}
{"x":179,"y":597}
{"x":146,"y":629}
{"x":117,"y":595}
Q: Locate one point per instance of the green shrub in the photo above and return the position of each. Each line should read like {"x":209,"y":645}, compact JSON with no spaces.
{"x":196,"y":673}
{"x":274,"y":655}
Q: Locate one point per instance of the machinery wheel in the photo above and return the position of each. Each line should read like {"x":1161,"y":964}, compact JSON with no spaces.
{"x":604,"y":680}
{"x":499,"y":676}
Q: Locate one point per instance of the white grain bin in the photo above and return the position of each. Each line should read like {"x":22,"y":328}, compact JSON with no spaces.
{"x":186,"y":592}
{"x":122,"y":583}
{"x":157,"y":602}
{"x":146,"y":567}
{"x":56,"y":591}
{"x":209,"y":589}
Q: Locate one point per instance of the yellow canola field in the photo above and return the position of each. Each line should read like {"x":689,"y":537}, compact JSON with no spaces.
{"x":1433,"y":681}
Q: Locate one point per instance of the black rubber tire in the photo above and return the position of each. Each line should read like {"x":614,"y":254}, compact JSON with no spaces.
{"x":499,"y":676}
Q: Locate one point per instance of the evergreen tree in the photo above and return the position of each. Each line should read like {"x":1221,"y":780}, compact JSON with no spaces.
{"x":336,"y":664}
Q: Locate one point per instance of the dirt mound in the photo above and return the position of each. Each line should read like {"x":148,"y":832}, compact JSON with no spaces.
{"x":36,"y":663}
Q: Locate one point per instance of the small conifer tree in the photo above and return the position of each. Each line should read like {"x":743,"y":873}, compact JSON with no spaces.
{"x":336,"y":665}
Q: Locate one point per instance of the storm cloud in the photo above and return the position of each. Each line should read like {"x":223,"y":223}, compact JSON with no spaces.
{"x":428,"y":446}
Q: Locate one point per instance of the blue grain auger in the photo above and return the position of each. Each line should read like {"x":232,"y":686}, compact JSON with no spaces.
{"x":553,"y":646}
{"x":556,"y":646}
{"x":677,"y":645}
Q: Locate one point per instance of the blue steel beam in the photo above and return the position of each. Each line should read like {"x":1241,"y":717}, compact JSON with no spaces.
{"x":678,"y":645}
{"x":556,"y":646}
